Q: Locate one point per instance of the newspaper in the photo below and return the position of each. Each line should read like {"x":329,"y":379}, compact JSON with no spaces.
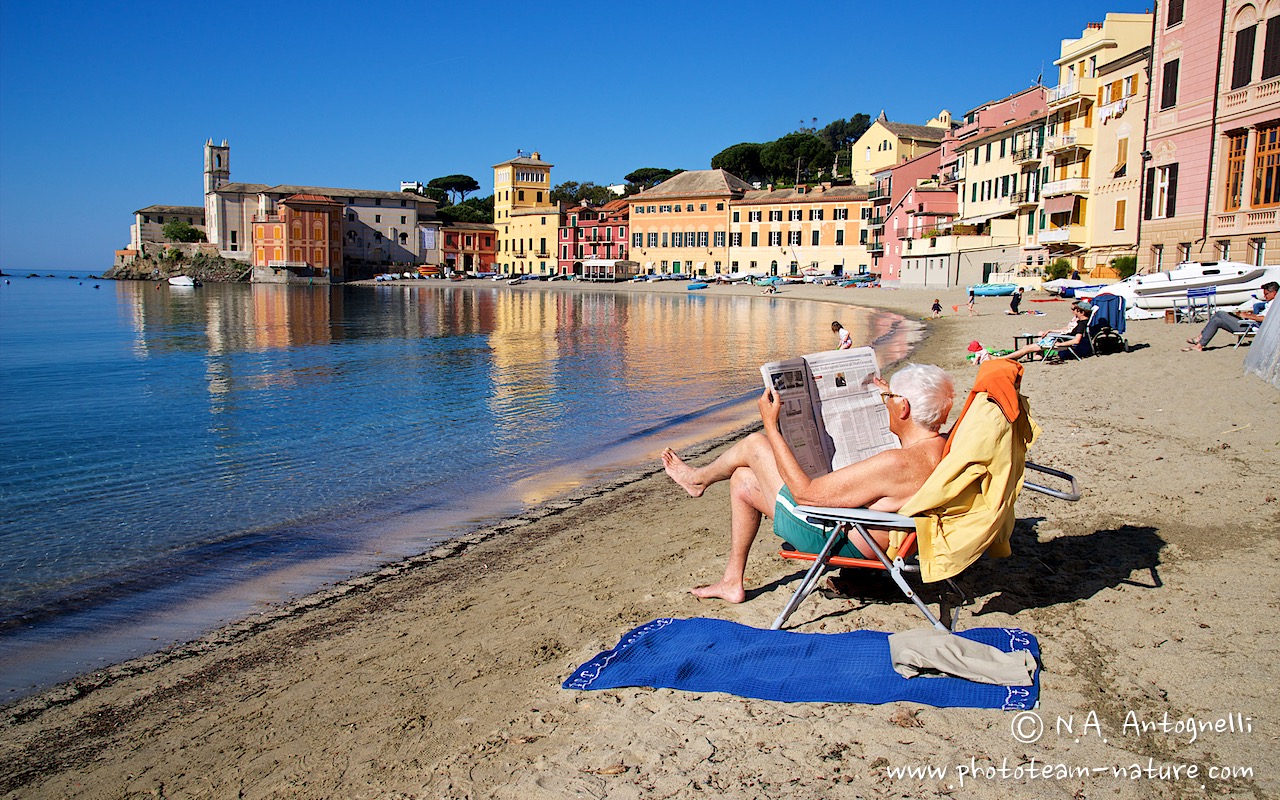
{"x":832,"y":414}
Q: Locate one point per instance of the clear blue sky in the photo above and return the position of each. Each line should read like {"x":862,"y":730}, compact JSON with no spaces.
{"x":104,"y":107}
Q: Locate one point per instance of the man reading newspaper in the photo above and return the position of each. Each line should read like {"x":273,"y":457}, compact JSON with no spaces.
{"x":826,"y":442}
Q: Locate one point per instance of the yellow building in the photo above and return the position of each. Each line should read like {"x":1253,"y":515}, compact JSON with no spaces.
{"x":1072,"y":133}
{"x":821,"y":229}
{"x":682,"y":224}
{"x":525,"y":216}
{"x":1117,"y":175}
{"x":887,"y":143}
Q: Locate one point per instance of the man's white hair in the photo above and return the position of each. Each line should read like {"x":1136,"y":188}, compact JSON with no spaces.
{"x":930,"y":391}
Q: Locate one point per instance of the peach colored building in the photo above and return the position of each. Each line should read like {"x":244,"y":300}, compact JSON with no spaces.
{"x":302,"y":237}
{"x":681,"y":226}
{"x":818,"y":229}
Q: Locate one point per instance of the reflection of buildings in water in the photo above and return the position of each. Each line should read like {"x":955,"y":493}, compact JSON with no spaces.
{"x":289,"y":316}
{"x":524,"y":358}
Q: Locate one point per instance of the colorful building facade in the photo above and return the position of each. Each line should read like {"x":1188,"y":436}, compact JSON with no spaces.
{"x":302,"y":236}
{"x":681,"y":226}
{"x":380,"y":230}
{"x":592,"y":233}
{"x":525,"y":216}
{"x":469,"y":247}
{"x":813,"y":229}
{"x":1072,"y":132}
{"x":887,"y":143}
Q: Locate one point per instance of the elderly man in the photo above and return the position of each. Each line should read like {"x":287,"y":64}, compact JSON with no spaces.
{"x":766,"y":480}
{"x":1233,"y":321}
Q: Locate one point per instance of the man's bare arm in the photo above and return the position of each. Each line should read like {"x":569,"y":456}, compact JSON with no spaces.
{"x":853,"y":486}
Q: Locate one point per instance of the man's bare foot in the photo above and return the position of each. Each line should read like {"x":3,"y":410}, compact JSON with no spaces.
{"x":729,"y":593}
{"x":682,"y":474}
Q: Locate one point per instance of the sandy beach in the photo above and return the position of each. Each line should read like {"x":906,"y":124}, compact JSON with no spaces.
{"x":1154,"y":599}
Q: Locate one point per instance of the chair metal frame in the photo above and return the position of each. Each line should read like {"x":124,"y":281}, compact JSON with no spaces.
{"x":843,"y":520}
{"x":1250,"y":330}
{"x":1193,"y":310}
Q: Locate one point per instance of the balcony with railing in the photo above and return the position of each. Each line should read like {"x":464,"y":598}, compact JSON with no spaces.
{"x":875,"y":248}
{"x":878,"y":195}
{"x":1065,"y":186}
{"x":1243,"y":222}
{"x":266,"y":217}
{"x":1067,"y":234}
{"x":1080,"y":89}
{"x":1080,"y":137}
{"x":1026,"y":155}
{"x":1242,"y":99}
{"x":875,"y":222}
{"x":949,"y":176}
{"x":1025,"y":198}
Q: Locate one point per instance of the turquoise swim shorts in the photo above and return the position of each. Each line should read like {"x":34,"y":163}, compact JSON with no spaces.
{"x":804,"y":536}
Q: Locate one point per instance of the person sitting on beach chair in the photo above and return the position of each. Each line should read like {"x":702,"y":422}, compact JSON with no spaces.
{"x":1076,"y":341}
{"x":766,"y":480}
{"x":1234,"y":321}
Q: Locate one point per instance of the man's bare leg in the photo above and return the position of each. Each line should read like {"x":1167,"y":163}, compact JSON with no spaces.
{"x":746,"y":498}
{"x":751,"y":451}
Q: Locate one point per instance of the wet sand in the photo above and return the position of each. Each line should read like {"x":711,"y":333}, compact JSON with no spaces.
{"x":439,"y":677}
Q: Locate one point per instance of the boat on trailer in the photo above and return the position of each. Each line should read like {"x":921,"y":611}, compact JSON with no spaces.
{"x":1234,"y":283}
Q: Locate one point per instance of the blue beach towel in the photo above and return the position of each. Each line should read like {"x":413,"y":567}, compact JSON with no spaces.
{"x":713,"y":655}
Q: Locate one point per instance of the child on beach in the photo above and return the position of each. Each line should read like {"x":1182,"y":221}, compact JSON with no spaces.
{"x":972,"y":303}
{"x":937,"y":308}
{"x":844,"y":340}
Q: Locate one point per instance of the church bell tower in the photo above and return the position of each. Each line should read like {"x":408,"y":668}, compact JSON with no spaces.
{"x":217,"y":166}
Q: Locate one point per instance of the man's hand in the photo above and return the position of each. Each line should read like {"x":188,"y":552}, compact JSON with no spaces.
{"x":770,"y":408}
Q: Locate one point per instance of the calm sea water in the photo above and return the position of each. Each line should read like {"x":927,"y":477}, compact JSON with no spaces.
{"x":172,"y":459}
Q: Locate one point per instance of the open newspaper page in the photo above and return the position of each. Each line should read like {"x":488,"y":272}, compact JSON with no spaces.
{"x":798,"y":422}
{"x":849,"y":405}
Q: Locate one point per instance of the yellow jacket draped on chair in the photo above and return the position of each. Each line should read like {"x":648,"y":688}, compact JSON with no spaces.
{"x":966,"y":507}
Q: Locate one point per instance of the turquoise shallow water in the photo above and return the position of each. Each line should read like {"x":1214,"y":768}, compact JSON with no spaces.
{"x":172,"y":459}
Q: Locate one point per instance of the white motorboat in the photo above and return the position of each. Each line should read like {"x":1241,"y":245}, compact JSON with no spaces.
{"x":183,"y":280}
{"x":1235,"y":283}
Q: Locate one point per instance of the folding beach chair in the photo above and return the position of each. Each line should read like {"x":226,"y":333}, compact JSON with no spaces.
{"x":1107,"y":325}
{"x":1201,"y":303}
{"x":1249,"y":331}
{"x":963,"y":510}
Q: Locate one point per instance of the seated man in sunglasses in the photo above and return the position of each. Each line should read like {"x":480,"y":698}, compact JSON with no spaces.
{"x":766,"y":480}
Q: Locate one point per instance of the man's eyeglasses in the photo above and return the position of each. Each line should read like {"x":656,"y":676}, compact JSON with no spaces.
{"x":884,"y":397}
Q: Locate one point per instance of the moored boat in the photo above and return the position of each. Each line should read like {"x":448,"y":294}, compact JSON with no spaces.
{"x":183,"y":280}
{"x":993,"y":289}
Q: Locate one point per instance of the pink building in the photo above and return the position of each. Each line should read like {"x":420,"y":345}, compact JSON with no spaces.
{"x":985,"y":117}
{"x":1212,"y":186}
{"x":906,"y":198}
{"x":1211,"y":177}
{"x":591,"y":232}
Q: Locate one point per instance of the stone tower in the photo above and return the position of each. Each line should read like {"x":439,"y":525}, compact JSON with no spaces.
{"x":217,"y":166}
